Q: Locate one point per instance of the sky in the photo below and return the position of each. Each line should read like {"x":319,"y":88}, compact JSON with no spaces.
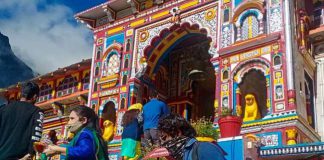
{"x":44,"y":33}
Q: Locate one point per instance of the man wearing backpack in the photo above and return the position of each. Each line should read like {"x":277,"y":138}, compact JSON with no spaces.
{"x":178,"y":137}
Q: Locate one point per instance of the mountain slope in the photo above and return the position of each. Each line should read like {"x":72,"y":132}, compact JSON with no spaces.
{"x":12,"y":69}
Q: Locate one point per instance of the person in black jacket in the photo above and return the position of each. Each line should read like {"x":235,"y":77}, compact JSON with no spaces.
{"x":21,"y":125}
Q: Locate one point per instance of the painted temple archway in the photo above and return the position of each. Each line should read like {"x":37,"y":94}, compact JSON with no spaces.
{"x":171,"y":57}
{"x":252,"y":77}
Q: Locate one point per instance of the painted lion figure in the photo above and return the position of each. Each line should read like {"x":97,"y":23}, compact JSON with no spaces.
{"x":251,"y":108}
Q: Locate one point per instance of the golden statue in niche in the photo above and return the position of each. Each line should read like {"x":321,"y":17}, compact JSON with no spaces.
{"x":108,"y":132}
{"x":251,"y":108}
{"x":291,"y":136}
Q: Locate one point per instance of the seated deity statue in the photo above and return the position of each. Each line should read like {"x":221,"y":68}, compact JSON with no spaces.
{"x":251,"y":108}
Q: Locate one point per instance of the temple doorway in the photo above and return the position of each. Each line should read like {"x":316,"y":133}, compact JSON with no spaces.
{"x":185,"y":78}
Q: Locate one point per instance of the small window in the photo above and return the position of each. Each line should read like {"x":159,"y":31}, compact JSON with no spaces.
{"x":225,"y":75}
{"x":250,"y":27}
{"x":128,"y":45}
{"x":277,"y":60}
{"x":95,"y":87}
{"x":124,"y":81}
{"x":86,"y":78}
{"x":122,"y":103}
{"x":68,"y":82}
{"x":126,"y":63}
{"x":226,"y":15}
{"x":98,"y":55}
{"x":45,"y":89}
{"x":97,"y":71}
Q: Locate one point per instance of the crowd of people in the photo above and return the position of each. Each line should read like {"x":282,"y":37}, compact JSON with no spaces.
{"x":148,"y":126}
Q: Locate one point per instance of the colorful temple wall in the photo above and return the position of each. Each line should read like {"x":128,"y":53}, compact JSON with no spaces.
{"x":250,"y":58}
{"x":247,"y":56}
{"x":247,"y":50}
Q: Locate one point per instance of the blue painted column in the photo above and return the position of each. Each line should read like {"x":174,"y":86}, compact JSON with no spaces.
{"x":233,"y":146}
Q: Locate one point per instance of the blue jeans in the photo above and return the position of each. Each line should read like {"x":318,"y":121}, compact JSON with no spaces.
{"x":152,"y":136}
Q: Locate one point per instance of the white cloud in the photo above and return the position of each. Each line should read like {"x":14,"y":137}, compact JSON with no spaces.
{"x":43,"y":36}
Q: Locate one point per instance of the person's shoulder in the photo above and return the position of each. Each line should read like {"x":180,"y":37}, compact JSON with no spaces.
{"x":210,"y":147}
{"x":86,"y":132}
{"x":207,"y":149}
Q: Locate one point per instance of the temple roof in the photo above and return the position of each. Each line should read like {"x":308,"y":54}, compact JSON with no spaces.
{"x":60,"y":72}
{"x":113,"y":10}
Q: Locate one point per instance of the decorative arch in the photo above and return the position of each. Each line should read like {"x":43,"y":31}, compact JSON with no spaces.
{"x":257,"y":4}
{"x":249,"y":14}
{"x":257,"y":13}
{"x":249,"y":24}
{"x":113,"y":51}
{"x":115,"y":46}
{"x":168,"y":38}
{"x":257,"y":65}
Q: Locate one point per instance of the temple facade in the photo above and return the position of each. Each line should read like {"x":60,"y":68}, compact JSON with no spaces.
{"x":262,"y":59}
{"x":259,"y":58}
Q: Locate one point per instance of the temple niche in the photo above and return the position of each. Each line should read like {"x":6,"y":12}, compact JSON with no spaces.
{"x":109,"y":112}
{"x":253,"y":99}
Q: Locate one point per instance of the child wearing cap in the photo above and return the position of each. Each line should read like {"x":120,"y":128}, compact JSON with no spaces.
{"x":131,"y":136}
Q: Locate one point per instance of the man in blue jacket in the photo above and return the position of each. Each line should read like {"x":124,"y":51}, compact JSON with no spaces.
{"x":178,"y":137}
{"x":152,"y":112}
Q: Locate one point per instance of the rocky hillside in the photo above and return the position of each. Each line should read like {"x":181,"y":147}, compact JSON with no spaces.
{"x":12,"y":69}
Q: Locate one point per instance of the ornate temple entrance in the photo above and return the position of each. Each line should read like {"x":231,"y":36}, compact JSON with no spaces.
{"x":183,"y":74}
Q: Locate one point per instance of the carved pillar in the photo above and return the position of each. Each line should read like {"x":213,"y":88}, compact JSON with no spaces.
{"x":320,"y":97}
{"x":261,"y":24}
{"x":322,"y":16}
{"x":217,"y":89}
{"x":292,"y":99}
{"x":238,"y":31}
{"x":238,"y":102}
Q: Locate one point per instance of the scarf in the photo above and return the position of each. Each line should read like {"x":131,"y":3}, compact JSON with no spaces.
{"x":176,"y":146}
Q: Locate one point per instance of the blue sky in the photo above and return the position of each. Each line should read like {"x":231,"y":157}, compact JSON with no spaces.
{"x":44,"y":34}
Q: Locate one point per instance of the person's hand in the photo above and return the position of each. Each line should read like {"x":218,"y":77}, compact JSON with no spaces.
{"x":51,"y":150}
{"x":26,"y":157}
